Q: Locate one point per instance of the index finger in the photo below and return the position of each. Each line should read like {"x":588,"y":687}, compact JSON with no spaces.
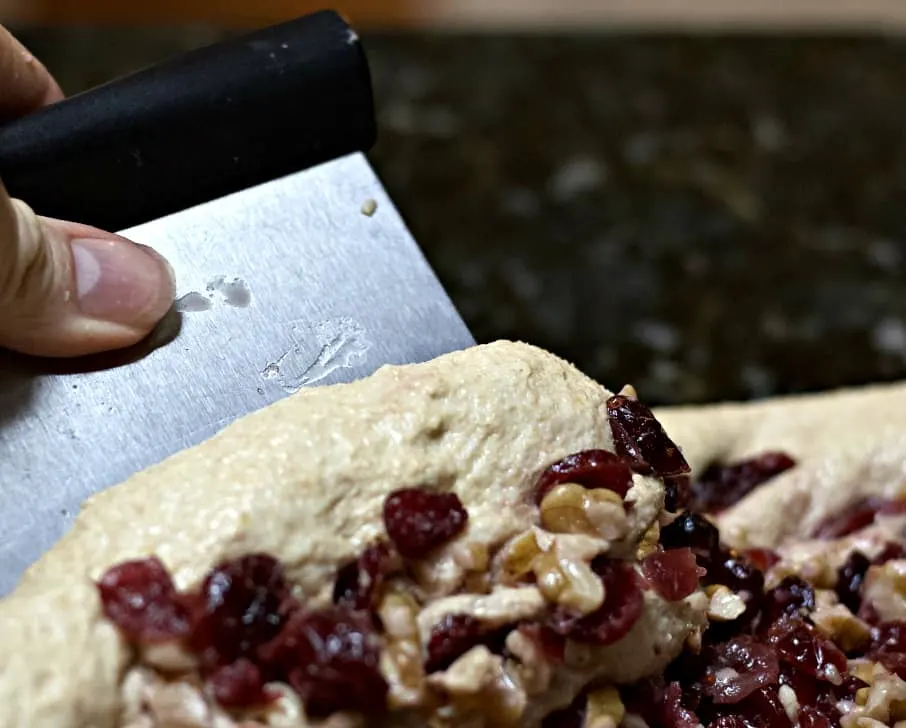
{"x":25,"y":84}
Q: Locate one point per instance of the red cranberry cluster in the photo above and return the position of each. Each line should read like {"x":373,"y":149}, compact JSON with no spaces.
{"x":735,"y":680}
{"x":857,"y":516}
{"x":642,"y":446}
{"x":247,"y":629}
{"x":720,"y":486}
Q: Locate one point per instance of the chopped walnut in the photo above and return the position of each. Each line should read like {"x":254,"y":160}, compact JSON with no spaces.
{"x":286,"y":711}
{"x":649,"y":543}
{"x":885,"y":590}
{"x":887,"y":699}
{"x":132,"y":694}
{"x":604,"y":708}
{"x":168,"y":657}
{"x":471,"y":556}
{"x":863,"y":669}
{"x":401,"y":666}
{"x":398,"y":611}
{"x":481,"y":692}
{"x":341,"y":720}
{"x":883,"y":703}
{"x":809,"y":560}
{"x":570,"y":583}
{"x":571,"y":508}
{"x":471,"y":673}
{"x":440,"y":573}
{"x":725,"y":605}
{"x":817,"y":560}
{"x":840,"y":625}
{"x":179,"y":704}
{"x":790,"y":702}
{"x":533,"y":670}
{"x":516,"y":557}
{"x":504,"y":605}
{"x":142,"y":721}
{"x":576,"y":547}
{"x":850,"y":721}
{"x":401,"y":659}
{"x":149,"y":699}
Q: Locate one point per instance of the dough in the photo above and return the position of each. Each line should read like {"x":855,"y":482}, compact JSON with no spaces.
{"x":305,"y":480}
{"x":847,"y":444}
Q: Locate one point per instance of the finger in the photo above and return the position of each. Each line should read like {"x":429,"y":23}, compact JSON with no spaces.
{"x":26,"y":84}
{"x":69,"y":289}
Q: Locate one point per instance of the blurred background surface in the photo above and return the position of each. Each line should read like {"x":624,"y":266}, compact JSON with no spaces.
{"x":710,"y":211}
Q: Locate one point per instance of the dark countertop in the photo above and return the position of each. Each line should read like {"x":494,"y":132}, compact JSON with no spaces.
{"x":707,"y":218}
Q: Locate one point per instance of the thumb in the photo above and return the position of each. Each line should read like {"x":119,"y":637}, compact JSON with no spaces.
{"x":69,"y":289}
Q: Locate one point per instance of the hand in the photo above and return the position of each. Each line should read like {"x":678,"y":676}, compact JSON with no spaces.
{"x":67,"y":289}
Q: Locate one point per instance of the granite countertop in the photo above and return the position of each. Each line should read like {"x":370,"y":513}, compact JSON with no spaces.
{"x":707,"y":218}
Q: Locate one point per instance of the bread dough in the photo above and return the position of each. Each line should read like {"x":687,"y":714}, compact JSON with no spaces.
{"x":847,"y":444}
{"x":305,"y":480}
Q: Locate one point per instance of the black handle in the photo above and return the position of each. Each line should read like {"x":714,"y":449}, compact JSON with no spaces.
{"x":195,"y":128}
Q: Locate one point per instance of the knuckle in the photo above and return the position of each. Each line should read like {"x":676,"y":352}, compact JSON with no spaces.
{"x":26,"y":265}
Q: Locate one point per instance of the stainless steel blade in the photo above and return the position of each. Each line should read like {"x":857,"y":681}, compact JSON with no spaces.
{"x":308,"y":280}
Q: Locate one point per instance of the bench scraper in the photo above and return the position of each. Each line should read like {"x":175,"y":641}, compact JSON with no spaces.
{"x":243,"y":164}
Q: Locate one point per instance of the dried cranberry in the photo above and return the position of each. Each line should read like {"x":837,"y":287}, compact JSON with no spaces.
{"x":736,"y":573}
{"x":810,"y":717}
{"x":728,"y":721}
{"x":660,"y":704}
{"x":693,"y":531}
{"x":622,"y":606}
{"x":675,"y":714}
{"x":720,"y":486}
{"x":239,"y":685}
{"x":140,"y":599}
{"x":455,"y":635}
{"x":639,"y":438}
{"x":739,"y":668}
{"x":358,"y":582}
{"x":763,"y":708}
{"x":591,"y":469}
{"x":242,"y":604}
{"x":331,"y":658}
{"x":762,"y":559}
{"x":888,"y":646}
{"x":677,"y":493}
{"x":889,"y":637}
{"x":857,"y":516}
{"x":799,"y":645}
{"x":850,"y":577}
{"x":809,"y":690}
{"x":419,"y":520}
{"x":868,"y":613}
{"x":791,"y":596}
{"x":690,"y":670}
{"x":672,"y":574}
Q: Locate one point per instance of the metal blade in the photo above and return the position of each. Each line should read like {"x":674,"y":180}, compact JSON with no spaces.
{"x":285,"y":285}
